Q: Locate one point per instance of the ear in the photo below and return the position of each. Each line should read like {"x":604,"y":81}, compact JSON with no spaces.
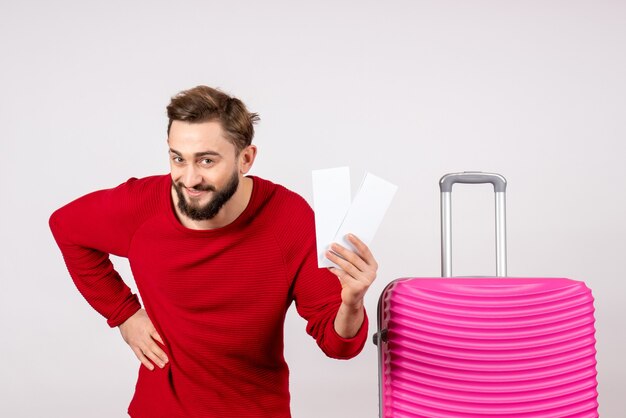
{"x":246,"y":158}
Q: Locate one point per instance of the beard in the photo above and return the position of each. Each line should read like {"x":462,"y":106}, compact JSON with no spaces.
{"x":212,"y":208}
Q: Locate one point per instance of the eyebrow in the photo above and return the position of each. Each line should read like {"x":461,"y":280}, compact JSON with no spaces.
{"x":197,"y":154}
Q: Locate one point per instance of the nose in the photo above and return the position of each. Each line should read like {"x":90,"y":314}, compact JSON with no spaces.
{"x":191,"y":176}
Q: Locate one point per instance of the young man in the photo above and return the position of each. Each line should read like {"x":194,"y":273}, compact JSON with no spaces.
{"x":218,"y":257}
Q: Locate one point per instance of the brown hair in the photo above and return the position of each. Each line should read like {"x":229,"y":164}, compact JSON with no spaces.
{"x":203,"y":104}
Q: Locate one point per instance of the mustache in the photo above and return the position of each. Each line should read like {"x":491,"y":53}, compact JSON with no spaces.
{"x":201,"y":188}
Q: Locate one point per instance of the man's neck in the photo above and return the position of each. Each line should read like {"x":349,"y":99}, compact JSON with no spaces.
{"x":227,"y":214}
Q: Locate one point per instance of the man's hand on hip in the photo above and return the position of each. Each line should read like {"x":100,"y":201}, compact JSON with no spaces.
{"x":140,"y":335}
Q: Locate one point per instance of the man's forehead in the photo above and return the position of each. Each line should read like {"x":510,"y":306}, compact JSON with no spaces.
{"x":196,"y":139}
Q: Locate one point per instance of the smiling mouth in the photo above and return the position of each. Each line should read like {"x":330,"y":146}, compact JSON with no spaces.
{"x":194,"y":192}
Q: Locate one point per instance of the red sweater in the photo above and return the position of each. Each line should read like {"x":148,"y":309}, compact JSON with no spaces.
{"x":218,"y":297}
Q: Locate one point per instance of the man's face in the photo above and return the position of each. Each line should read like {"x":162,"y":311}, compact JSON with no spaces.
{"x":204,"y":168}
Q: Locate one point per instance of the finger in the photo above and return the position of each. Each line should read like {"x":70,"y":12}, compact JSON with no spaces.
{"x":156,"y":349}
{"x":345,"y":279}
{"x":363,"y":250}
{"x":345,"y":265}
{"x":148,"y":352}
{"x":349,"y":255}
{"x":142,"y":358}
{"x":157,"y":337}
{"x":159,"y":353}
{"x":341,"y":275}
{"x":357,"y":287}
{"x":366,"y":276}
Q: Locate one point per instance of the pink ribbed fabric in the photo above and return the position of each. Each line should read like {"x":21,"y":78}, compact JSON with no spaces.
{"x":488,"y":347}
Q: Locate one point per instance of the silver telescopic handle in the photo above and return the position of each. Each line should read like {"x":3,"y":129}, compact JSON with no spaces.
{"x":472,"y":177}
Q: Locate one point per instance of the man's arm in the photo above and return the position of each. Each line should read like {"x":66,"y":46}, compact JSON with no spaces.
{"x":87,"y":231}
{"x":85,"y":249}
{"x":356,"y":273}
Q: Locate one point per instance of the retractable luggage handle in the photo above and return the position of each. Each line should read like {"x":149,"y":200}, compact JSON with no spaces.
{"x":472,"y":177}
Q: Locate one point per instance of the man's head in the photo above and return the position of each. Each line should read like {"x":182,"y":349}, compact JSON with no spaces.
{"x":204,"y":104}
{"x":209,"y":138}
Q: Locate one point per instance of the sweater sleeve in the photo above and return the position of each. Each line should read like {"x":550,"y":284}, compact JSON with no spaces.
{"x":316,"y":291}
{"x":87,"y":231}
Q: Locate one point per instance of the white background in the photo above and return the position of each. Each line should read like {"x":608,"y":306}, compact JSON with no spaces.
{"x":409,"y":90}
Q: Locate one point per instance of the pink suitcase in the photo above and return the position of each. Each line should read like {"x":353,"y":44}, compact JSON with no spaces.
{"x":485,"y":347}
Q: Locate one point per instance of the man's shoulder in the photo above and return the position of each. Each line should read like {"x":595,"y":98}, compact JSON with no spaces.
{"x":146,"y":184}
{"x":144,"y":193}
{"x":287,"y":215}
{"x":280,"y":198}
{"x":121,"y":208}
{"x":144,"y":187}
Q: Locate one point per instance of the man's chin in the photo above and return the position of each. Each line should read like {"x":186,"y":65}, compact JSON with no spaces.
{"x":197,"y":204}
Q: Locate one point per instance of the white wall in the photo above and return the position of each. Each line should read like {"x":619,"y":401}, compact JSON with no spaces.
{"x":408,"y":90}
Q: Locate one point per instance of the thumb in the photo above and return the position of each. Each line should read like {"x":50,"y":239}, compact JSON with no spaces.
{"x":340,"y":275}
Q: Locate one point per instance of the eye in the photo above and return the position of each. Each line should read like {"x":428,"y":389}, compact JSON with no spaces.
{"x":206,"y":161}
{"x":177,"y":159}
